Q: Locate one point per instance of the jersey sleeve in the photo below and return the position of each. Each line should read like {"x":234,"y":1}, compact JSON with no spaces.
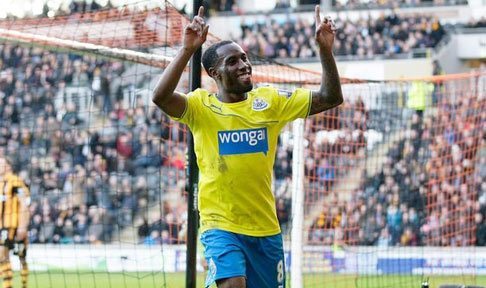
{"x":193,"y":107}
{"x":293,"y":105}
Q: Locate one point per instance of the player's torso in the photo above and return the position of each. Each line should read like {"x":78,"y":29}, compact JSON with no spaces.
{"x":247,"y":130}
{"x":235,"y":144}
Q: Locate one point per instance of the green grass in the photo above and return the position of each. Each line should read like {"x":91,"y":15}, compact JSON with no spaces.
{"x":177,"y":280}
{"x":387,"y":281}
{"x":107,"y":280}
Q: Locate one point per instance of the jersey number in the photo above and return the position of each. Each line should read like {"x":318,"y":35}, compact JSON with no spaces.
{"x":280,"y":271}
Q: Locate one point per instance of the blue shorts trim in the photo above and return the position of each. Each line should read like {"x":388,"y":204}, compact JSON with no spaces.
{"x":259,"y":259}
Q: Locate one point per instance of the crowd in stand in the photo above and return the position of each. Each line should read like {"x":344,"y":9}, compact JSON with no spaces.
{"x":481,"y":23}
{"x":233,"y":5}
{"x":385,"y":210}
{"x":387,"y":35}
{"x":292,"y":37}
{"x":90,"y":173}
{"x":357,"y":4}
{"x":429,"y":191}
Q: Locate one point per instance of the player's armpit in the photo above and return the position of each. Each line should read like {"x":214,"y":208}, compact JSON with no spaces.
{"x":174,"y":106}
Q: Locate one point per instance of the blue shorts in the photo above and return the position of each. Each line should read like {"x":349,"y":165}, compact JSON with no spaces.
{"x":259,"y":259}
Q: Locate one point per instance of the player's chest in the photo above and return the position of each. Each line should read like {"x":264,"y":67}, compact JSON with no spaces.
{"x":253,"y":114}
{"x":238,"y":131}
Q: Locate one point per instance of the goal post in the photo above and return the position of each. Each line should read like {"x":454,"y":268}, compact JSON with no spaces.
{"x":298,"y":196}
{"x":391,"y":181}
{"x":73,"y":46}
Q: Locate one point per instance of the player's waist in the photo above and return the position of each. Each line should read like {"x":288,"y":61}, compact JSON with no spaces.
{"x":267,"y":229}
{"x":241,"y":177}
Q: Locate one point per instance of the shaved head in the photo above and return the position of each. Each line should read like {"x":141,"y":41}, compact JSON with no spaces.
{"x":211,"y":57}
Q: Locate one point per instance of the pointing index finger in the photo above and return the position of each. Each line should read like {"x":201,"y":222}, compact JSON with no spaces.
{"x":200,"y":13}
{"x":318,"y":15}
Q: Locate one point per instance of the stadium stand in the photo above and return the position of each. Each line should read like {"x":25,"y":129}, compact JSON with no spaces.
{"x":66,"y":207}
{"x":366,"y":38}
{"x":356,"y":4}
{"x":425,"y":190}
{"x":379,"y":176}
{"x":35,"y":98}
{"x":65,"y":163}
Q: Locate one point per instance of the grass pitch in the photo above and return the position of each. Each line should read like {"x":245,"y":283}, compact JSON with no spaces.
{"x":177,"y":280}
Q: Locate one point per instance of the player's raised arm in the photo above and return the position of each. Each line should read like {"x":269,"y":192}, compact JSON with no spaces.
{"x":329,"y":95}
{"x":164,"y":94}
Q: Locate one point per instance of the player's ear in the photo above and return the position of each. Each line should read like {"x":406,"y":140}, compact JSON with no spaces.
{"x":213,"y":73}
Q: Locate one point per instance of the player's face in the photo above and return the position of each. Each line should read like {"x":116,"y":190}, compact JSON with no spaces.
{"x":234,"y":68}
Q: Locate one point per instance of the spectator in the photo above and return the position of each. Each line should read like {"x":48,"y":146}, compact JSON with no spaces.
{"x":82,"y":164}
{"x":425,"y":191}
{"x":364,"y":38}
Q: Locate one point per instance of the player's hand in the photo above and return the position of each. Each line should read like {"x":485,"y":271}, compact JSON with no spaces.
{"x":325,"y":31}
{"x":196,"y":32}
{"x":21,"y":234}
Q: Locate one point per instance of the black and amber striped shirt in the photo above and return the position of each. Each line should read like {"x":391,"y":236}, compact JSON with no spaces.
{"x":12,"y":191}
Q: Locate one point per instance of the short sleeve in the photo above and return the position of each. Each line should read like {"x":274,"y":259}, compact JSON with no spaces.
{"x":294,"y":105}
{"x":192,"y":108}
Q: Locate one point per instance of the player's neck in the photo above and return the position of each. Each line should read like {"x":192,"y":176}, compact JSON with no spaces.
{"x":231,"y":97}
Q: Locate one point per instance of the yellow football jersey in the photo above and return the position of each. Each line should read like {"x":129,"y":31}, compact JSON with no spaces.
{"x":235,"y":145}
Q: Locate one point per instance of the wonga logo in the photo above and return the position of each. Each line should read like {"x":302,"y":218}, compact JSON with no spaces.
{"x":243,"y":141}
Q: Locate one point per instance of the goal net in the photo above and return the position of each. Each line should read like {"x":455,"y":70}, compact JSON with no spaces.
{"x":104,"y":166}
{"x":393,"y":188}
{"x":371,"y":194}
